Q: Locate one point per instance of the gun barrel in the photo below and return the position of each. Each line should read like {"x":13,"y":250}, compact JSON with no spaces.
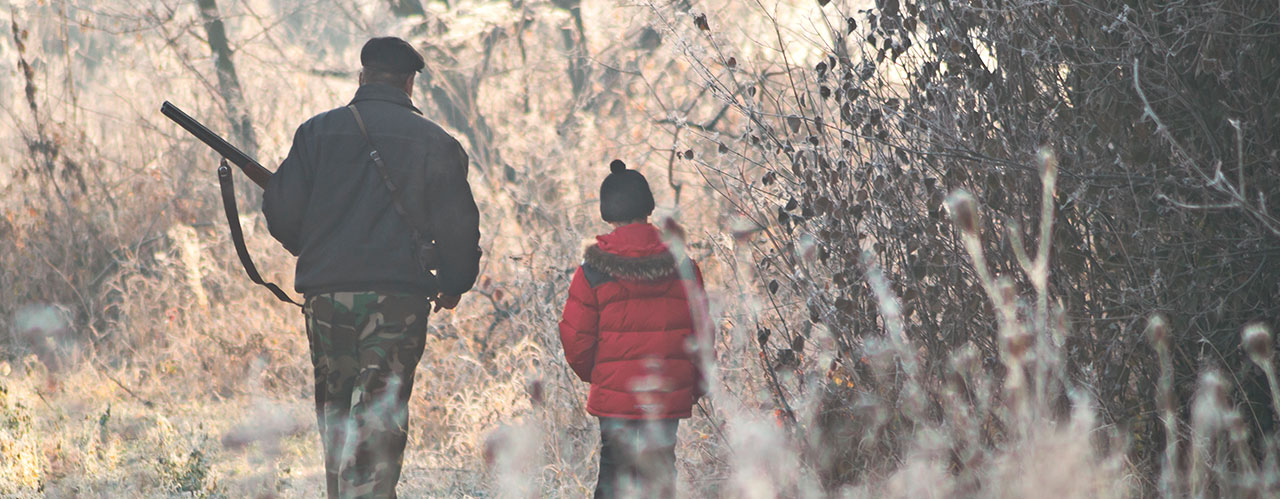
{"x":251,"y":168}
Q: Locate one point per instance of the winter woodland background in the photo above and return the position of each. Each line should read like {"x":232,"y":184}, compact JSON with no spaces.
{"x":955,"y":248}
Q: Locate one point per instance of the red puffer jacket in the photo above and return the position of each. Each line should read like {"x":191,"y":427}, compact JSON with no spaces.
{"x":628,"y":326}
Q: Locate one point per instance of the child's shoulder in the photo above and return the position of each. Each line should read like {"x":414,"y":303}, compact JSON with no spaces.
{"x":602,"y":266}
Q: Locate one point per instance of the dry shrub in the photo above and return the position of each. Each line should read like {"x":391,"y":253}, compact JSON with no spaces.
{"x":844,"y":138}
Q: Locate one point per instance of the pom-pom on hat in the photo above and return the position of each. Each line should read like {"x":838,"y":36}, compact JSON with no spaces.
{"x":391,"y":54}
{"x":624,"y":194}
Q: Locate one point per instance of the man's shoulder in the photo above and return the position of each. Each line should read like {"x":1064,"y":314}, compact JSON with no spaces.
{"x":407,"y":122}
{"x":435,"y":132}
{"x":401,"y":118}
{"x":323,"y":121}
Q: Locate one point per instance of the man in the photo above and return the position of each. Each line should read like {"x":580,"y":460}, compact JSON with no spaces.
{"x":367,"y":298}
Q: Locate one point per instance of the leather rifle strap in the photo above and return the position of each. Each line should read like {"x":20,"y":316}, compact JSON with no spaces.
{"x":420,"y":238}
{"x":237,"y":235}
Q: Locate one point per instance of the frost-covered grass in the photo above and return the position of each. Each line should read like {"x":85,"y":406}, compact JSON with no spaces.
{"x":222,"y":410}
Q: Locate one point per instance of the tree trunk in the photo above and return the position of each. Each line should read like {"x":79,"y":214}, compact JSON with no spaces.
{"x":406,"y":8}
{"x":576,"y":48}
{"x":455,"y":99}
{"x":455,"y":96}
{"x":228,"y":82}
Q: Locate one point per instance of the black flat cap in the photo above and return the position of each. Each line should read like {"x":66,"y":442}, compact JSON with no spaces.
{"x":391,"y":54}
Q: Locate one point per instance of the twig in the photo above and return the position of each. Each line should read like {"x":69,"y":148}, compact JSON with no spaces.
{"x":1239,"y":198}
{"x":104,"y":371}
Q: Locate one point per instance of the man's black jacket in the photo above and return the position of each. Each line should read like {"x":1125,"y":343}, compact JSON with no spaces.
{"x":328,"y":205}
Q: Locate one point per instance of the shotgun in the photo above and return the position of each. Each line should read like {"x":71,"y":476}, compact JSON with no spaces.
{"x":251,"y":168}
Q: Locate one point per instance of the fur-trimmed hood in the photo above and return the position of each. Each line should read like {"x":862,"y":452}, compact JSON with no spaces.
{"x":644,"y":268}
{"x":632,"y":252}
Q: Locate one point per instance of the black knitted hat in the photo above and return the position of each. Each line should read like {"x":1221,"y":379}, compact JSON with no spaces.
{"x":624,"y":194}
{"x":391,"y":54}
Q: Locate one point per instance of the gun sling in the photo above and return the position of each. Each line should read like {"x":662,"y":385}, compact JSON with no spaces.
{"x":237,"y":235}
{"x":423,"y":247}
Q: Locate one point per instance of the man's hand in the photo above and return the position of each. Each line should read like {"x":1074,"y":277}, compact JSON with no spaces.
{"x":446,"y":301}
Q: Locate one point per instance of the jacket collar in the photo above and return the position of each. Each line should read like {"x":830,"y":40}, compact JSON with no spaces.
{"x":632,"y":252}
{"x":632,"y":240}
{"x":383,"y":92}
{"x":642,"y":268}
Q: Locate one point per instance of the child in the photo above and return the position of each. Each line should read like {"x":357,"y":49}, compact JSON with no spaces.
{"x":628,"y":329}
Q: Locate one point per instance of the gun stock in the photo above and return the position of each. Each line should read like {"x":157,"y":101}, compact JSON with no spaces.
{"x":251,"y":168}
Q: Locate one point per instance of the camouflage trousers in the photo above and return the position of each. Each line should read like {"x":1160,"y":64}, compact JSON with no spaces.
{"x":364,"y":349}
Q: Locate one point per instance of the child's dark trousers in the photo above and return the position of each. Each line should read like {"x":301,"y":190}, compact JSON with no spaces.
{"x":637,"y":458}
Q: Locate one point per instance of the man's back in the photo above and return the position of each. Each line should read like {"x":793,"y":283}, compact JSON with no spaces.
{"x":328,"y":204}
